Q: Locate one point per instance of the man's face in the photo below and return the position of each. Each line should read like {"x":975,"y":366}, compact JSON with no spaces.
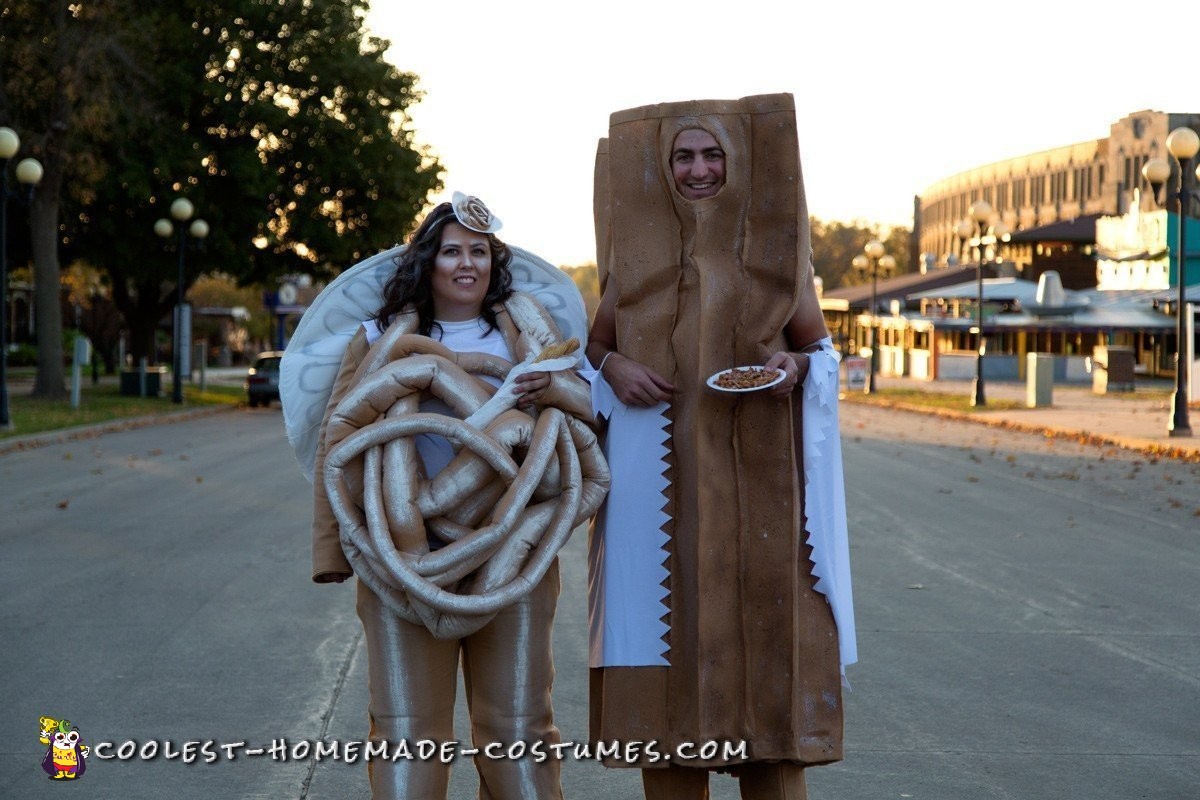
{"x":697,"y":164}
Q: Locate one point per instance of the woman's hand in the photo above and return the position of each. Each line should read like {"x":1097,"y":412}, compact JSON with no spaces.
{"x":634,"y":383}
{"x":792,"y":368}
{"x":532,"y":387}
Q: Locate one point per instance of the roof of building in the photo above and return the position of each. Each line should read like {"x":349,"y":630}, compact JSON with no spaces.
{"x":1079,"y":229}
{"x":995,"y":290}
{"x":901,"y":286}
{"x":1088,"y":310}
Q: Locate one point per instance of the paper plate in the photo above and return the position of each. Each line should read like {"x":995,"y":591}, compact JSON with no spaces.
{"x":712,"y":380}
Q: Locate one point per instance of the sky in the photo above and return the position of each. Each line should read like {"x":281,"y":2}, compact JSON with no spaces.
{"x":891,"y":97}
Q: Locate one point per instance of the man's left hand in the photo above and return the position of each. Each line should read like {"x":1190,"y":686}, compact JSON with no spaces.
{"x":792,"y":371}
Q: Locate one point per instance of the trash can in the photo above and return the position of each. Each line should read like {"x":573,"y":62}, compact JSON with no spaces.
{"x":1112,"y":369}
{"x":1039,"y":379}
{"x":131,"y":382}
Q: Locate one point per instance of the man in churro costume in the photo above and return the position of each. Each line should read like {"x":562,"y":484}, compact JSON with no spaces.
{"x":720,"y":591}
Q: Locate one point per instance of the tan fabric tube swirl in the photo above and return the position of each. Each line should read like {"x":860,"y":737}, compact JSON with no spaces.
{"x":504,"y":505}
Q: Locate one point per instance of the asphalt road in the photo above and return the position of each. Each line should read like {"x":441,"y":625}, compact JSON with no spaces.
{"x":1028,"y":619}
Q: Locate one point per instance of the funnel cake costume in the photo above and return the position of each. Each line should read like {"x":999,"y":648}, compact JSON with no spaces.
{"x":456,"y":561}
{"x":719,"y":599}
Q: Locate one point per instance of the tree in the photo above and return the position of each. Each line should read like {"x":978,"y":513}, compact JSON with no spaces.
{"x":87,"y":307}
{"x":287,"y":130}
{"x":52,"y":78}
{"x":278,"y":119}
{"x":835,"y":244}
{"x":587,"y":279}
{"x":228,"y":315}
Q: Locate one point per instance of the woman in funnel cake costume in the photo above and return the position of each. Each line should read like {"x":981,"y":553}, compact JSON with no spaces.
{"x":449,"y":503}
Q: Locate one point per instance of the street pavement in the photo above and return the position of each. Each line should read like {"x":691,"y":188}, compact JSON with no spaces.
{"x":1025,"y":589}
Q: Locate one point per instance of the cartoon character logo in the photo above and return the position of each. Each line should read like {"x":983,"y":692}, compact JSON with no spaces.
{"x":65,"y":758}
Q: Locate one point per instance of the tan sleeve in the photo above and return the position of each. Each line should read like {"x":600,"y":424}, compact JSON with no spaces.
{"x":329,"y":562}
{"x":567,"y":391}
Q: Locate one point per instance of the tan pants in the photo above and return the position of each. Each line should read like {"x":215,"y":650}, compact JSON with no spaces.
{"x":507,"y":670}
{"x":756,"y":781}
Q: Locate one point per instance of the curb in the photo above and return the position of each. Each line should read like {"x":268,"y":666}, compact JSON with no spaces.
{"x":1145,"y":446}
{"x":47,"y":438}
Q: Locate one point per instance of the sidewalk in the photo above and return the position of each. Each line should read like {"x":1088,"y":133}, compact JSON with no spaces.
{"x":1134,"y":420}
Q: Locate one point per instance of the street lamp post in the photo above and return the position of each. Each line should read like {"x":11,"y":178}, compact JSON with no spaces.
{"x":181,"y":210}
{"x":872,"y":261}
{"x":975,"y":231}
{"x":29,"y":173}
{"x":1183,"y":144}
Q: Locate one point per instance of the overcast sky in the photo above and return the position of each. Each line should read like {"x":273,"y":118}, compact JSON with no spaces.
{"x":890,"y":97}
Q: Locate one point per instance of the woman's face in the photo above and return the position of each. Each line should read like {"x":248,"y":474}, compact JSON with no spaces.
{"x":462,"y":271}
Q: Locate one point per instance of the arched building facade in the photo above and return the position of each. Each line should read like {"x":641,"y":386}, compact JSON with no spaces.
{"x":1093,"y":178}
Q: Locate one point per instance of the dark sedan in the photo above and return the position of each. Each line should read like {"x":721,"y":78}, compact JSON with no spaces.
{"x":262,"y":381}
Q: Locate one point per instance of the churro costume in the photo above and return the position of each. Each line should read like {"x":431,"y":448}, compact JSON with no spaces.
{"x":738,"y":597}
{"x":461,"y":564}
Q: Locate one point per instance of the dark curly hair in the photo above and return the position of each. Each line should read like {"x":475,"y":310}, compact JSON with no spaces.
{"x":412,"y":282}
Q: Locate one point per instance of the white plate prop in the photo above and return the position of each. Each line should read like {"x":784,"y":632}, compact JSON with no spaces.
{"x":747,"y":377}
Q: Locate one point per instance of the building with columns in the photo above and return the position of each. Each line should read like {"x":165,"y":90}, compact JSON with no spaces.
{"x":1080,"y":218}
{"x":1068,"y":187}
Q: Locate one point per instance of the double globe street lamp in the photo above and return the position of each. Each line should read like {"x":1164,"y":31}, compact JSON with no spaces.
{"x":29,"y":174}
{"x":873,"y":261}
{"x":980,"y":231}
{"x":1183,"y":144}
{"x":181,"y":211}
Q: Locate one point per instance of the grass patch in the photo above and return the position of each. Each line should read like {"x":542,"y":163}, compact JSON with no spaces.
{"x":923,"y":399}
{"x":105,"y":403}
{"x":1142,"y":392}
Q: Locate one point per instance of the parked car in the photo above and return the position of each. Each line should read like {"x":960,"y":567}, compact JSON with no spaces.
{"x":262,"y":381}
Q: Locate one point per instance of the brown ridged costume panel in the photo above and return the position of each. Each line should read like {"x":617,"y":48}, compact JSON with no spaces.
{"x":702,"y":286}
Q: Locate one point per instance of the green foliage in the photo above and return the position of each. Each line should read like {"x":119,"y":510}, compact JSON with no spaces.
{"x":835,"y":244}
{"x":279,"y":120}
{"x":105,"y":404}
{"x":282,"y":124}
{"x":22,"y":355}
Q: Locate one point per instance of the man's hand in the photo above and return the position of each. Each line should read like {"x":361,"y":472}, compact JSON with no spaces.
{"x":793,"y":369}
{"x":634,"y":383}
